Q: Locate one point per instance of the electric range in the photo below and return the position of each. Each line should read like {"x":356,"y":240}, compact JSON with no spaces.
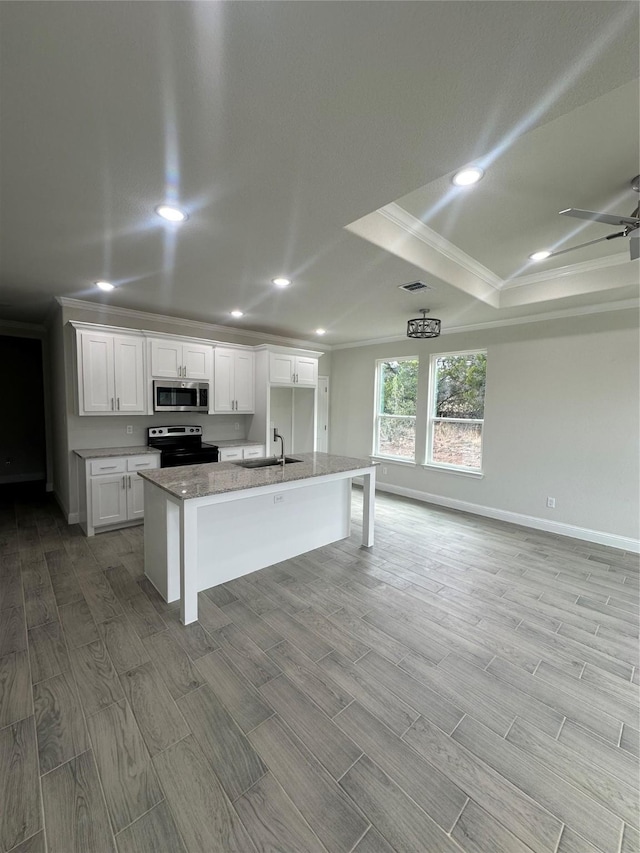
{"x":181,"y":445}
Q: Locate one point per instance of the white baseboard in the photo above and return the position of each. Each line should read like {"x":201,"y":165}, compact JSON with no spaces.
{"x":72,"y":517}
{"x":624,"y":543}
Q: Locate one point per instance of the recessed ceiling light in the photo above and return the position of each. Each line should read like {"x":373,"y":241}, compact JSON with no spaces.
{"x":104,"y":285}
{"x":468,"y":176}
{"x":281,"y":282}
{"x":540,"y":256}
{"x":171,"y":214}
{"x":237,"y":313}
{"x":321,"y":331}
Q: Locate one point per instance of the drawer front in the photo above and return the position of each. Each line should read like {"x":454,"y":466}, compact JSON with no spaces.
{"x":139,"y":463}
{"x":254,"y":452}
{"x":227,"y":454}
{"x":108,"y":466}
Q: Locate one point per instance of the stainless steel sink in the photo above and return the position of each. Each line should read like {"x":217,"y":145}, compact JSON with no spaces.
{"x":269,"y":462}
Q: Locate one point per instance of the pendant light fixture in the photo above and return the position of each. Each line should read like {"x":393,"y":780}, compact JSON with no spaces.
{"x":421,"y":327}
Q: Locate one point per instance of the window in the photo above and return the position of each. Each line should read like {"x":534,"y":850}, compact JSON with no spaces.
{"x":395,"y":426}
{"x":456,"y":410}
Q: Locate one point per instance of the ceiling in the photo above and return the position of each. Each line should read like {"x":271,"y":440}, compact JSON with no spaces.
{"x":316,"y":140}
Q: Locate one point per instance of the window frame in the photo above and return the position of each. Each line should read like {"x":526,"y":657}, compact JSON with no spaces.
{"x":378,"y":415}
{"x":432,"y":419}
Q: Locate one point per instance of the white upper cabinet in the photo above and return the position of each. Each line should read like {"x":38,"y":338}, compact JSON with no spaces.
{"x":178,"y":360}
{"x":233,"y":381}
{"x":111,"y":376}
{"x":286,"y":369}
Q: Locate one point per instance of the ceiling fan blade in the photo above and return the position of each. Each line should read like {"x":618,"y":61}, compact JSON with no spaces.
{"x":606,"y":218}
{"x":589,"y":243}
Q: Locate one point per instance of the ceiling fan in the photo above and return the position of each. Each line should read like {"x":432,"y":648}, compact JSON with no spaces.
{"x":630,"y":227}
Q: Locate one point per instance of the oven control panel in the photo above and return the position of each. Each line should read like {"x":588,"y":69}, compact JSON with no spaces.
{"x":175,"y":431}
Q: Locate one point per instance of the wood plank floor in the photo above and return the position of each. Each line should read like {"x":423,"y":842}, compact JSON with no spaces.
{"x":465,"y":685}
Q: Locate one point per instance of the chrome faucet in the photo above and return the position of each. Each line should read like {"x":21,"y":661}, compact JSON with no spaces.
{"x":276,"y":434}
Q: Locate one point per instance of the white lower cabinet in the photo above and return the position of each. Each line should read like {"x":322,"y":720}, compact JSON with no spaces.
{"x":229,"y":454}
{"x":114,"y":493}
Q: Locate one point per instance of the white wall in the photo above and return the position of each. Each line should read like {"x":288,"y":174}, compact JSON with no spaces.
{"x":561,"y":420}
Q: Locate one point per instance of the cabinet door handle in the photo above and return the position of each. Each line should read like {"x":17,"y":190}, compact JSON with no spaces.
{"x":123,"y":479}
{"x":112,"y":404}
{"x":118,"y":403}
{"x":129,"y":481}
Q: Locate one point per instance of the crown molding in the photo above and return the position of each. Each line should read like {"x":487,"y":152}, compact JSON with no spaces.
{"x":572,"y":269}
{"x":192,"y":325}
{"x":604,"y":308}
{"x":416,"y":228}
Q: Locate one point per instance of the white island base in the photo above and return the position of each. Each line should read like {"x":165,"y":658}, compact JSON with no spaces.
{"x":200,"y":542}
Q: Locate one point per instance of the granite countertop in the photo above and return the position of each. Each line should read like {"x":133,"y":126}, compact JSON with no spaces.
{"x":241,"y":442}
{"x":105,"y":452}
{"x":215,"y":478}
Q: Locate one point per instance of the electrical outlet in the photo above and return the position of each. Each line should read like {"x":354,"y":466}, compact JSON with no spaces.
{"x":551,"y":503}
{"x":278,"y":499}
{"x":384,"y":469}
{"x":237,"y":425}
{"x":129,"y":429}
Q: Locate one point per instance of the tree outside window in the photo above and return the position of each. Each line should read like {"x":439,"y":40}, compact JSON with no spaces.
{"x":397,"y":388}
{"x":456,"y":415}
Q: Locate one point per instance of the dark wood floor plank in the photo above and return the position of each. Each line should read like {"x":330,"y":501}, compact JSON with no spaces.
{"x":309,"y":786}
{"x":440,"y":798}
{"x":194,"y":639}
{"x":630,"y":840}
{"x":629,"y":740}
{"x":145,"y":618}
{"x":392,"y":812}
{"x":10,"y":582}
{"x":296,"y":634}
{"x":48,"y":654}
{"x":432,"y":649}
{"x":35,"y":844}
{"x":122,"y":583}
{"x":372,"y":842}
{"x":220,"y":595}
{"x":13,"y":631}
{"x":202,"y":811}
{"x":74,"y":808}
{"x":157,"y":715}
{"x":78,"y":624}
{"x":376,"y":698}
{"x":101,"y":599}
{"x":15,"y":688}
{"x":262,"y":634}
{"x":609,"y":758}
{"x":339,"y":639}
{"x":571,"y":842}
{"x":273,"y":822}
{"x":95,"y":676}
{"x":222,"y":742}
{"x":58,"y":561}
{"x":39,"y":600}
{"x":239,"y":697}
{"x":20,"y":809}
{"x":527,"y":820}
{"x":59,"y":720}
{"x":122,"y":643}
{"x":335,"y":751}
{"x":574,"y":808}
{"x":128,"y":779}
{"x":66,"y":588}
{"x":154,"y":832}
{"x":173,"y":664}
{"x":210,"y":616}
{"x":310,"y":678}
{"x":245,"y":657}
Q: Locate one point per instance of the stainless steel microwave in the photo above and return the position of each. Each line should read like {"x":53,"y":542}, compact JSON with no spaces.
{"x":180,"y":396}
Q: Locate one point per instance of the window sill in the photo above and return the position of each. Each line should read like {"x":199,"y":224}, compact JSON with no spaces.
{"x":392,"y":460}
{"x":463,"y":472}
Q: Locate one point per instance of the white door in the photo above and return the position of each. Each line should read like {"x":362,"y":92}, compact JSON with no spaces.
{"x":322,"y":441}
{"x":223,"y":380}
{"x":306,"y":370}
{"x":196,"y":359}
{"x":244,"y":381}
{"x":129,"y":374}
{"x":166,"y":359}
{"x":97,"y":372}
{"x":135,"y":496}
{"x":281,"y":368}
{"x":108,"y":500}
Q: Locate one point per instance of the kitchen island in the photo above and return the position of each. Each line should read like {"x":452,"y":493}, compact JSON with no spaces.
{"x":210,"y":523}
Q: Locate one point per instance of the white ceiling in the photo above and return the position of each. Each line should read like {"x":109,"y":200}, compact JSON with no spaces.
{"x":316,"y":140}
